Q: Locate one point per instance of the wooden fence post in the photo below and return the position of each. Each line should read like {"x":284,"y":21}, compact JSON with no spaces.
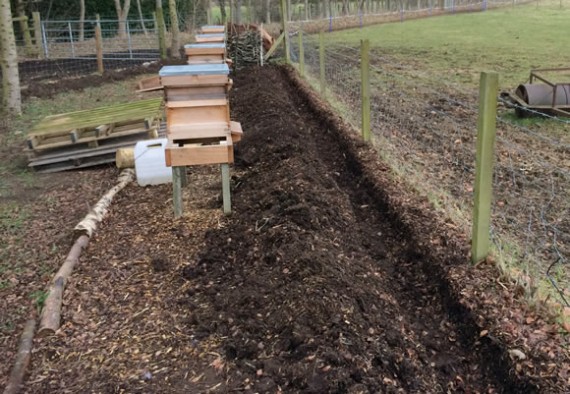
{"x":365,"y":88}
{"x":322,"y":61}
{"x":284,"y":27}
{"x":161,"y":27}
{"x":25,"y":27}
{"x":301,"y":54}
{"x":99,"y":45}
{"x":38,"y":32}
{"x":486,"y":124}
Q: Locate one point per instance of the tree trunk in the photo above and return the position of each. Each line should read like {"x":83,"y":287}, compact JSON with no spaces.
{"x":238,"y":11}
{"x":140,"y":16}
{"x":306,"y":10}
{"x":223,"y":11}
{"x":268,"y":11}
{"x":175,"y":30}
{"x":11,"y":96}
{"x":81,"y":20}
{"x":122,"y":14}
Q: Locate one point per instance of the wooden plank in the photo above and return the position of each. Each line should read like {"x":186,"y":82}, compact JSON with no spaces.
{"x":149,"y":84}
{"x":200,"y":59}
{"x":236,"y":131}
{"x":196,"y":131}
{"x":195,"y":93}
{"x":197,"y":103}
{"x":205,"y":51}
{"x":212,"y":29}
{"x":195,"y":80}
{"x":189,"y":155}
{"x":189,"y":115}
{"x":274,"y":47}
{"x":210,"y":39}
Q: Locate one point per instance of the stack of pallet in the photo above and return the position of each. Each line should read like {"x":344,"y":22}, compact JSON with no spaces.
{"x":91,"y":137}
{"x":198,"y":125}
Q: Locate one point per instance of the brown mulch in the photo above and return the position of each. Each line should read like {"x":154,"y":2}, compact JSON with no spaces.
{"x":328,"y":277}
{"x":36,"y":224}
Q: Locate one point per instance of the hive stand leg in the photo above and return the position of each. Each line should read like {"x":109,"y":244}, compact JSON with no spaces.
{"x":226,"y":189}
{"x":178,"y":174}
{"x":184,"y":176}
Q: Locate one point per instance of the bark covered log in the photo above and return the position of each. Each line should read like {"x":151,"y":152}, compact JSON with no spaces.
{"x":22,"y":359}
{"x":51,"y":313}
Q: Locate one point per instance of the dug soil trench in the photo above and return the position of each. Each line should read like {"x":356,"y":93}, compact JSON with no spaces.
{"x":314,"y":286}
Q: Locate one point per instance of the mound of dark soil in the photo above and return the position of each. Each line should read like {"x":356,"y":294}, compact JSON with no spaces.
{"x":313,"y":287}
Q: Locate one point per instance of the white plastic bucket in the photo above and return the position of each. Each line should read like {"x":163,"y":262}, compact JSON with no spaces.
{"x":150,"y":162}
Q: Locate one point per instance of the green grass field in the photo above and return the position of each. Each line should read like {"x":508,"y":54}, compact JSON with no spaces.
{"x":510,"y":40}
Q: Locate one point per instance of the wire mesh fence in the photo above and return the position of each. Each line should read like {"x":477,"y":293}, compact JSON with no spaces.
{"x":425,"y":127}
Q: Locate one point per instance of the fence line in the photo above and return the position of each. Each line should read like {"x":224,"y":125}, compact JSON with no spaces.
{"x":426,"y":131}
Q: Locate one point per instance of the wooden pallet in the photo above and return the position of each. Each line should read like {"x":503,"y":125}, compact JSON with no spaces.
{"x":93,"y":126}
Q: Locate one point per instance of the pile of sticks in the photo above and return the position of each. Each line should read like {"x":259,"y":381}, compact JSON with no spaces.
{"x":245,"y":49}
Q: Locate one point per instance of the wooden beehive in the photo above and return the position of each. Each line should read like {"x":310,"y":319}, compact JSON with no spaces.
{"x":212,"y":29}
{"x":205,"y":53}
{"x":197,"y":111}
{"x":211,"y":38}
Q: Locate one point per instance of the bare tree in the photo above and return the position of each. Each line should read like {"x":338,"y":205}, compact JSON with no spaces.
{"x":223,"y":11}
{"x":81,"y":20}
{"x":141,"y":16}
{"x":174,"y":29}
{"x":11,"y":96}
{"x":122,"y":13}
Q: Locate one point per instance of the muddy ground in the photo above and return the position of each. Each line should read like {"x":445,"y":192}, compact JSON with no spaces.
{"x":328,"y":277}
{"x":45,"y":78}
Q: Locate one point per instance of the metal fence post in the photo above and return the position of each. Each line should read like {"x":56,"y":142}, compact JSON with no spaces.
{"x":71,"y":39}
{"x":301,"y":54}
{"x":129,"y":39}
{"x":45,"y":41}
{"x":486,"y":124}
{"x":365,"y":88}
{"x":322,"y":61}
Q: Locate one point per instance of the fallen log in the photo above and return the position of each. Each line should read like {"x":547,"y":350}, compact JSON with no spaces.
{"x":22,"y":358}
{"x":51,"y":313}
{"x":89,"y":224}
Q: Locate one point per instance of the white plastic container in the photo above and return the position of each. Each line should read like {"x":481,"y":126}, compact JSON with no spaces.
{"x":150,"y":162}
